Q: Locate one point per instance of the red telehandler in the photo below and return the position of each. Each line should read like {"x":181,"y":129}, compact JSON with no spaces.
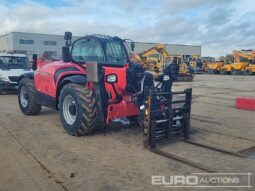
{"x":95,"y":82}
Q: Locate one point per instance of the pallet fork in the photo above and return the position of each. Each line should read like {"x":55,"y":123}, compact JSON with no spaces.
{"x":166,"y":117}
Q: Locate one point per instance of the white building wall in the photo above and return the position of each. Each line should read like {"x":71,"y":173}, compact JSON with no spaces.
{"x":38,"y":46}
{"x":12,"y":42}
{"x":6,"y":43}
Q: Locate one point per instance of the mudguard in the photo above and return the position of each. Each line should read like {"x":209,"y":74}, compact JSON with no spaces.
{"x":29,"y":75}
{"x":76,"y":79}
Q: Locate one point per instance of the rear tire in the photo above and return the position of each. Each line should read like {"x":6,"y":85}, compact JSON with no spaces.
{"x":27,"y":97}
{"x":77,"y":106}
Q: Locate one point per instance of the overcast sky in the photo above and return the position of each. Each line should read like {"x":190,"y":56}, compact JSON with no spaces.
{"x":219,"y":26}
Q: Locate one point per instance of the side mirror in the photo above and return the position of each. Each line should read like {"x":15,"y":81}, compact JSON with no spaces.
{"x":34,"y":63}
{"x":68,"y":38}
{"x":132,"y":46}
{"x":66,"y":55}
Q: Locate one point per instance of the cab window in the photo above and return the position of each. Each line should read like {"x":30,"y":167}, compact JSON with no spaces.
{"x":87,"y":49}
{"x":115,"y":52}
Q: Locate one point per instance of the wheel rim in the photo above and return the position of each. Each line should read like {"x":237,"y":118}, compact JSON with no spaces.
{"x":24,"y":96}
{"x":69,"y":110}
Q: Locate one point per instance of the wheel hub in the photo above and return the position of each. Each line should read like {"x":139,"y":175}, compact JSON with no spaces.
{"x":69,"y":110}
{"x":72,"y":109}
{"x":24,"y":96}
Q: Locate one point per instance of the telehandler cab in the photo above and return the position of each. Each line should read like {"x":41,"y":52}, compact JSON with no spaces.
{"x":95,"y":82}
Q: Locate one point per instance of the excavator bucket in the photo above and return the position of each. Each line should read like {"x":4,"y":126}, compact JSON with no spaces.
{"x":167,"y":114}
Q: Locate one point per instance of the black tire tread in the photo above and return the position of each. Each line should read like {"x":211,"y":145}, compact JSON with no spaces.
{"x":87,"y":102}
{"x":33,"y":107}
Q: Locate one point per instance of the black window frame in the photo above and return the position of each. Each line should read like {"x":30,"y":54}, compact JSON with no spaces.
{"x":49,"y":43}
{"x":105,"y":62}
{"x":83,"y":38}
{"x":26,"y":41}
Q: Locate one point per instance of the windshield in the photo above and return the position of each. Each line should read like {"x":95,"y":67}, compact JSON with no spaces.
{"x":12,"y":62}
{"x":85,"y":50}
{"x":155,"y":56}
{"x":115,"y":52}
{"x":110,"y":51}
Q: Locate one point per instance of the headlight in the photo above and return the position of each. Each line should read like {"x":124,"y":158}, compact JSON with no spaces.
{"x":166,"y":78}
{"x":111,"y":78}
{"x":3,"y":78}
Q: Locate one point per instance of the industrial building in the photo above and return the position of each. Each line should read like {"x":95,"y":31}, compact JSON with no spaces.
{"x":51,"y":44}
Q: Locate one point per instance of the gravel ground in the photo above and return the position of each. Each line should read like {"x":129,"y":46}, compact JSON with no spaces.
{"x":37,"y":154}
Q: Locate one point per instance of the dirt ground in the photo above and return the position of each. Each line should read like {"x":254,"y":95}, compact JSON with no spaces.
{"x":37,"y":154}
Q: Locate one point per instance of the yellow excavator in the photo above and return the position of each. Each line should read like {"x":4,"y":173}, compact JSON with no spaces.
{"x":195,"y":61}
{"x":250,"y":69}
{"x":156,"y":58}
{"x":243,"y":59}
{"x":186,"y":73}
{"x":153,"y":58}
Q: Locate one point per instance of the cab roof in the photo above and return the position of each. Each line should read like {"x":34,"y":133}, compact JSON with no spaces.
{"x":103,"y":38}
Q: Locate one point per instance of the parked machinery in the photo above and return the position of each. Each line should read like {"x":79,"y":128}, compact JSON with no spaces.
{"x":195,"y":61}
{"x":226,"y":69}
{"x":250,"y":69}
{"x":242,"y":59}
{"x":156,"y":58}
{"x":153,"y":58}
{"x":215,"y":67}
{"x":96,"y":82}
{"x":186,"y":72}
{"x":205,"y":62}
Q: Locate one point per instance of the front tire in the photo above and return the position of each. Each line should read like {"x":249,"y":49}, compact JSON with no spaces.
{"x":27,"y":98}
{"x":77,"y":107}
